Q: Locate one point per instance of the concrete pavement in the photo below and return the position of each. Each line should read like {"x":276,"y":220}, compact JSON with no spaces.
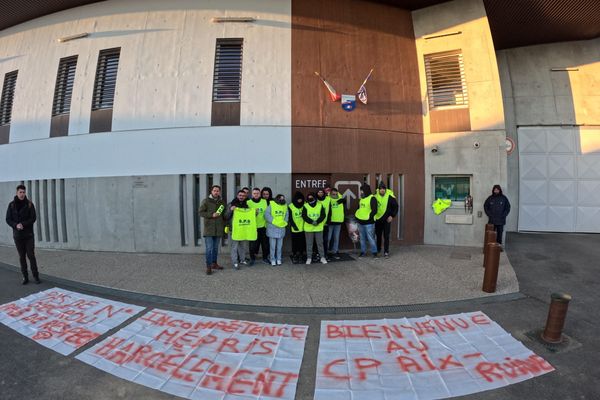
{"x":543,"y":264}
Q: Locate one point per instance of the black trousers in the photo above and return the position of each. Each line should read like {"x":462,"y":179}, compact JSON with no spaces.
{"x":25,"y":247}
{"x":298,"y":243}
{"x":382,"y":228}
{"x":261,"y":241}
{"x":499,"y":230}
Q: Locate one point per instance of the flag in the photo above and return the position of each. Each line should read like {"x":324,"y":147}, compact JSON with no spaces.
{"x":332,"y":93}
{"x":362,"y":94}
{"x":362,"y":91}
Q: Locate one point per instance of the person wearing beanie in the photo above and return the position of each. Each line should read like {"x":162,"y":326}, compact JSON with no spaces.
{"x":497,"y":207}
{"x":277,"y":217}
{"x":387,"y":209}
{"x":313,"y":215}
{"x":365,"y":215}
{"x":297,"y":229}
{"x":21,"y":216}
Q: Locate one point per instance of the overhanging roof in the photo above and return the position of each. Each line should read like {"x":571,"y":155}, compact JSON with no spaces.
{"x":513,"y":23}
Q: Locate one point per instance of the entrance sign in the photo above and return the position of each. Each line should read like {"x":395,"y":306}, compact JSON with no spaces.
{"x":200,"y":357}
{"x":420,"y":358}
{"x":63,"y":320}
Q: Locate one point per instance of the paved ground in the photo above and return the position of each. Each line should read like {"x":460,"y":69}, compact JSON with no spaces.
{"x":543,"y":264}
{"x":413,"y":274}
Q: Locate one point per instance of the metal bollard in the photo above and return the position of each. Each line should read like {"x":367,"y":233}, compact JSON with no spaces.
{"x":492,"y":261}
{"x":556,"y":317}
{"x":490,"y":237}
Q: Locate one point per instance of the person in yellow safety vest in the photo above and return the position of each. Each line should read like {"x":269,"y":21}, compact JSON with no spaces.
{"x":314,"y":219}
{"x":387,"y":209}
{"x":365,"y":215}
{"x":335,"y":219}
{"x":242,"y":227}
{"x":260,"y":204}
{"x":297,"y":229}
{"x":323,"y":198}
{"x":277,"y":216}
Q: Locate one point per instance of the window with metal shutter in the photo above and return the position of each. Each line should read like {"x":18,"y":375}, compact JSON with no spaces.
{"x":227,"y":79}
{"x":446,"y":82}
{"x":8,"y":94}
{"x":64,"y":86}
{"x":106,"y":79}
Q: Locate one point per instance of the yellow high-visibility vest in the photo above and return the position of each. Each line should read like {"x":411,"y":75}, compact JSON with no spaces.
{"x":337,"y":210}
{"x":314,"y":213}
{"x":261,"y":206}
{"x":296,"y":214}
{"x":364,"y":208}
{"x":278,"y":213}
{"x":243,"y":224}
{"x":382,"y":202}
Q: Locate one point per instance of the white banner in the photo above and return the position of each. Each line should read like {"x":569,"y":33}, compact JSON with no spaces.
{"x":63,"y":320}
{"x":204,"y":358}
{"x":420,"y":358}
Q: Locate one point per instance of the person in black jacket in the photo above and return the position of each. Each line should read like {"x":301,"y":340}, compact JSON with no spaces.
{"x":21,"y":216}
{"x":497,"y":208}
{"x":383,"y":219}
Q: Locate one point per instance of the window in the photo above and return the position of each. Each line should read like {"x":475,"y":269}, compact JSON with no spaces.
{"x":227,"y":79}
{"x":8,"y":94}
{"x":455,"y":188}
{"x":106,"y":79}
{"x":446,"y":83}
{"x":64,"y":86}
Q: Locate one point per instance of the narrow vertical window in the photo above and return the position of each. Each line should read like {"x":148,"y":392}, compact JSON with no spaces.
{"x":63,"y":90}
{"x":105,"y":86}
{"x":446,"y":82}
{"x":227,"y":82}
{"x":6,"y":104}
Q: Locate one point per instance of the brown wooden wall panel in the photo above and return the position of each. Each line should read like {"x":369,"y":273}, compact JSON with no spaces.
{"x":59,"y":125}
{"x":453,"y":120}
{"x":343,"y":41}
{"x":4,"y":134}
{"x":225,"y":114}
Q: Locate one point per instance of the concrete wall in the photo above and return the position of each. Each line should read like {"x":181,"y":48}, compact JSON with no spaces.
{"x":457,"y":154}
{"x":128,"y":214}
{"x":164,"y":89}
{"x":552,"y":85}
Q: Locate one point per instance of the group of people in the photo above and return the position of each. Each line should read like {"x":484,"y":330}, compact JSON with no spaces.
{"x":257,"y":221}
{"x":261,"y":221}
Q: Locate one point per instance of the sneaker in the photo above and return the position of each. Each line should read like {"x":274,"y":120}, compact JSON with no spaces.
{"x":216,"y":266}
{"x":208,"y":270}
{"x":236,"y":266}
{"x":266,"y":261}
{"x":25,"y":281}
{"x":386,"y":255}
{"x":37,"y":280}
{"x":376,"y":255}
{"x":361,"y":255}
{"x":279,"y":262}
{"x":273,"y":263}
{"x":308,"y":261}
{"x":323,"y":260}
{"x":251,"y":263}
{"x":243,"y":263}
{"x":337,"y":256}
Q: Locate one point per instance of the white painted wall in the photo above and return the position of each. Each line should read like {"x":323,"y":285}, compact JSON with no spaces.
{"x":457,"y":154}
{"x":162,"y":111}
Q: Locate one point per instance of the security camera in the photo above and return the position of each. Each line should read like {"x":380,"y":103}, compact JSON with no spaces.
{"x":434,"y":149}
{"x":476,"y":145}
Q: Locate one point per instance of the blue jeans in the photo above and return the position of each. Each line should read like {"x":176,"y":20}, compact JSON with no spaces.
{"x":275,"y":246}
{"x":367,"y":233}
{"x":212,"y":249}
{"x":334,"y":231}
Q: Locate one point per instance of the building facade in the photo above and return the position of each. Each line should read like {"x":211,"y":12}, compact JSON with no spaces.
{"x":119,"y":115}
